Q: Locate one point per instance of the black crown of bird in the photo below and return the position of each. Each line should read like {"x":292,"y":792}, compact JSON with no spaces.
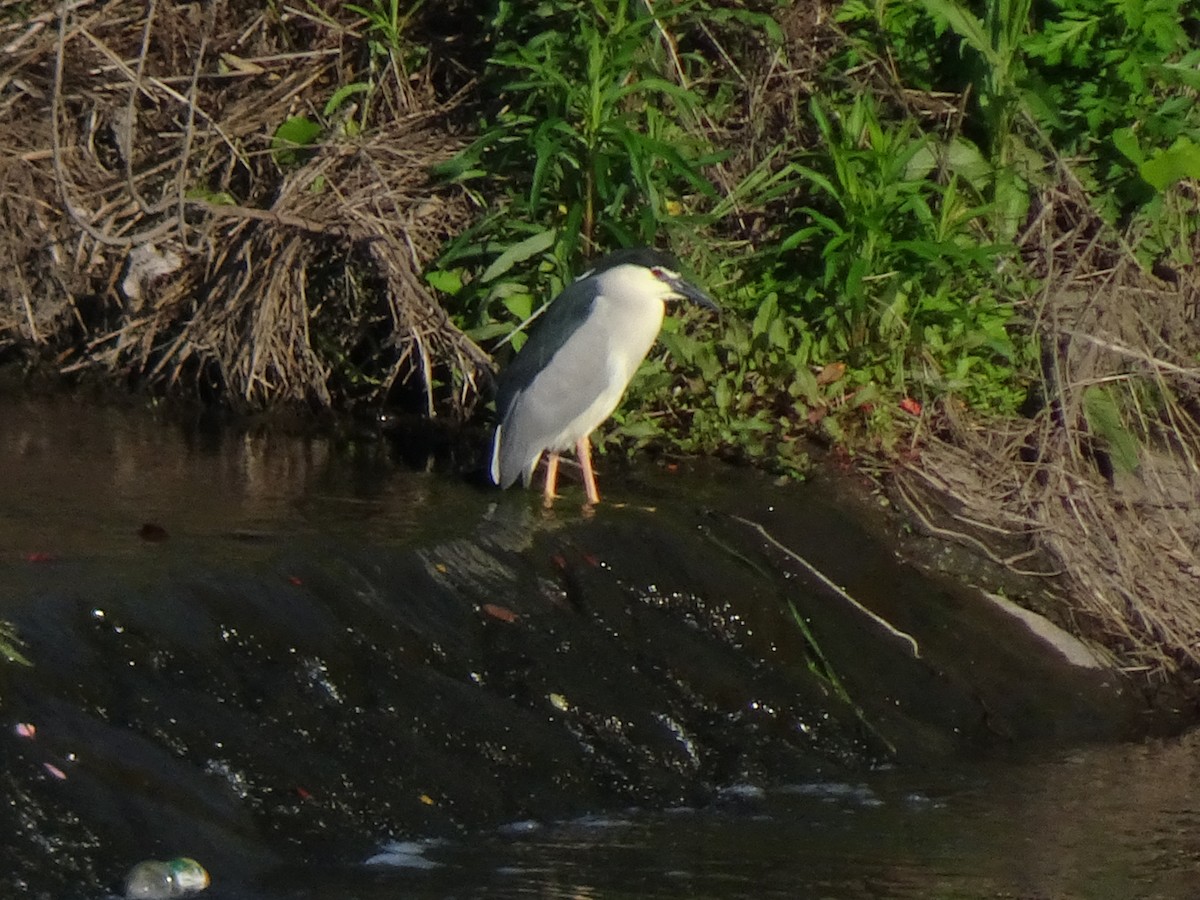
{"x":580,"y":357}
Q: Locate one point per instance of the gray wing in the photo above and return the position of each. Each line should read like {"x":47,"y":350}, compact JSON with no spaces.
{"x":562,"y":318}
{"x":559,"y":373}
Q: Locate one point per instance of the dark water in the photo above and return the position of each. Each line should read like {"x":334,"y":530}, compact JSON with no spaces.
{"x":1103,"y":822}
{"x":117,"y":508}
{"x":81,"y":481}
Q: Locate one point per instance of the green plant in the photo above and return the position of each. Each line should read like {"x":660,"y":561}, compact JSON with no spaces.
{"x":1065,"y":78}
{"x":997,"y":39}
{"x":1167,"y":213}
{"x":8,"y":645}
{"x":737,"y":399}
{"x":387,"y":24}
{"x":994,"y":80}
{"x":878,"y":284}
{"x":584,"y":147}
{"x":348,"y":109}
{"x":1098,"y":65}
{"x":292,"y":140}
{"x":387,"y":35}
{"x":601,"y":140}
{"x":907,"y":290}
{"x":1102,"y":410}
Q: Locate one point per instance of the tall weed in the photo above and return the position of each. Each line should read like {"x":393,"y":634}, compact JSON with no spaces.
{"x":1108,"y":84}
{"x":890,"y":263}
{"x":584,"y":150}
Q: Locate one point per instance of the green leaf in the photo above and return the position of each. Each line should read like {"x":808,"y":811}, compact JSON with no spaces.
{"x":1103,"y":416}
{"x":334,"y":103}
{"x":519,"y":304}
{"x":291,"y":137}
{"x":768,"y":311}
{"x":966,"y":160}
{"x":777,"y":334}
{"x":1012,"y":204}
{"x":1126,"y":142}
{"x":298,"y":131}
{"x":723,"y":394}
{"x":966,"y":26}
{"x":518,"y":253}
{"x":817,"y":179}
{"x":641,"y":428}
{"x":1185,"y":73}
{"x":447,"y":281}
{"x":489,"y":331}
{"x":1181,"y":160}
{"x":801,"y":236}
{"x":217,"y":198}
{"x":650,"y":85}
{"x":8,"y":645}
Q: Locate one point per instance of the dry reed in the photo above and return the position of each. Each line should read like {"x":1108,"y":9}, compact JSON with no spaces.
{"x":155,"y":231}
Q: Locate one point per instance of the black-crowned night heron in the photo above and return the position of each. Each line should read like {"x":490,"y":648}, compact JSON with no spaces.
{"x":573,"y":370}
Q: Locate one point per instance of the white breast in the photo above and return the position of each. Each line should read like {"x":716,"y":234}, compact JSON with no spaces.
{"x":628,"y":311}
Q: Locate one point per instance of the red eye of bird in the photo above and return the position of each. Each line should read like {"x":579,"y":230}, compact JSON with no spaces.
{"x":658,"y":273}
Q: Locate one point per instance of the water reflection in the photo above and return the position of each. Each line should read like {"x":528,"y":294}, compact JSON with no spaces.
{"x":1108,"y":821}
{"x":82,"y":480}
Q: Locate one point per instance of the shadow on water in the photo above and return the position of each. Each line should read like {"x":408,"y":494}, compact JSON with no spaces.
{"x":323,"y":674}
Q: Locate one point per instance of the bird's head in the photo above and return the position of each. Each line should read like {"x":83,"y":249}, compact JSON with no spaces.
{"x":651,"y":273}
{"x":679,"y":288}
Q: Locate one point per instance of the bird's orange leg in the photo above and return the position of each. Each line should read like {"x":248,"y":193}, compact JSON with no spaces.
{"x":583,"y":449}
{"x":551,"y":480}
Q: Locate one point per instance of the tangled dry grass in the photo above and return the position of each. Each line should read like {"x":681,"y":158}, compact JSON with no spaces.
{"x":155,"y":230}
{"x":1127,"y":542}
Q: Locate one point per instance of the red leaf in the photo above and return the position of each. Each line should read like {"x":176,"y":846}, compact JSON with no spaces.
{"x":503,"y":613}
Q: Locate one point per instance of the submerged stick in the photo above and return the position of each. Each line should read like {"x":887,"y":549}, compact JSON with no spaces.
{"x":825,"y":580}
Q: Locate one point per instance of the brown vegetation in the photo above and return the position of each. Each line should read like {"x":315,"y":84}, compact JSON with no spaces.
{"x":154,"y":229}
{"x":1125,"y":540}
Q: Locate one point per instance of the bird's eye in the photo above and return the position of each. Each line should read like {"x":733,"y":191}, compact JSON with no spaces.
{"x":659,"y":273}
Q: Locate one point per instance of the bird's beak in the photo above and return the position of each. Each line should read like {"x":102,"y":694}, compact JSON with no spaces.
{"x":689,"y":291}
